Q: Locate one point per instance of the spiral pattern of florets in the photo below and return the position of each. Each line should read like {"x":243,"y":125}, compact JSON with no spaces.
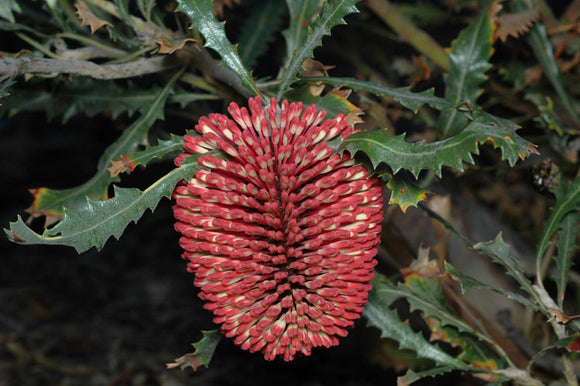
{"x":281,"y":235}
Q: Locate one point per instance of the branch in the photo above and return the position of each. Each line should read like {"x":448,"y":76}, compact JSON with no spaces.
{"x":18,"y":66}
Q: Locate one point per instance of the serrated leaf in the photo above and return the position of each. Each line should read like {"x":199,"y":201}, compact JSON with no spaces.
{"x":259,"y":29}
{"x":165,"y":148}
{"x":404,"y":192}
{"x":472,"y":351}
{"x":567,"y":200}
{"x":544,"y":52}
{"x":570,"y":343}
{"x":399,"y":154}
{"x":425,"y":294}
{"x":411,"y":376}
{"x":202,"y":19}
{"x":303,"y":13}
{"x":83,"y":96}
{"x":466,"y":282}
{"x":499,"y":251}
{"x":566,"y":245}
{"x":204,"y":350}
{"x":411,"y":100}
{"x":332,"y":14}
{"x":7,"y":9}
{"x":468,"y":61}
{"x":379,"y":315}
{"x":5,"y":88}
{"x":51,"y":202}
{"x":93,"y":225}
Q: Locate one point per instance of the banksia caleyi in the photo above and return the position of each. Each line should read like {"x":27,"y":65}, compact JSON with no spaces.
{"x":282,"y":234}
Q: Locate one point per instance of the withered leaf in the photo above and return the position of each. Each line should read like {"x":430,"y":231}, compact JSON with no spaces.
{"x":188,"y":360}
{"x":87,"y":17}
{"x":169,"y":46}
{"x":314,"y":68}
{"x":121,"y":166}
{"x":516,"y":24}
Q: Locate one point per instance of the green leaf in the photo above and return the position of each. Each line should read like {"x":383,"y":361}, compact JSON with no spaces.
{"x":567,"y":200}
{"x":7,"y":7}
{"x":570,"y":343}
{"x":332,"y":14}
{"x":164,"y":149}
{"x":202,"y":19}
{"x":566,"y":248}
{"x":411,"y":376}
{"x":425,"y":294}
{"x":83,"y":96}
{"x":399,"y":154}
{"x":51,"y":202}
{"x":93,"y":225}
{"x":204,"y":350}
{"x":265,"y":20}
{"x":404,"y":192}
{"x":468,"y":61}
{"x":499,"y":251}
{"x":544,"y":52}
{"x":303,"y":14}
{"x":411,"y":100}
{"x":5,"y":88}
{"x":379,"y":315}
{"x":466,"y":282}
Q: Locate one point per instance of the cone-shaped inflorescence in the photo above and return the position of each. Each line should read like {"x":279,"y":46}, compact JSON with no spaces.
{"x":282,"y":235}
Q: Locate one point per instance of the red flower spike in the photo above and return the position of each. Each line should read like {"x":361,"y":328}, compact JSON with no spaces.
{"x":281,"y":236}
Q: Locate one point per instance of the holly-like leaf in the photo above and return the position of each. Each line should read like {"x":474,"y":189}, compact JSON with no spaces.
{"x":204,"y":350}
{"x":466,"y":282}
{"x":202,"y":19}
{"x":516,"y":24}
{"x":566,"y":248}
{"x":7,"y":9}
{"x":404,"y":192}
{"x":425,"y":294}
{"x":499,"y":251}
{"x":94,"y":224}
{"x":90,"y":97}
{"x":332,"y":14}
{"x":411,"y":100}
{"x":88,"y":18}
{"x":411,"y":376}
{"x":165,"y":149}
{"x":379,"y":315}
{"x":259,"y":29}
{"x":468,"y":62}
{"x":51,"y":202}
{"x":399,"y":154}
{"x":567,"y":200}
{"x":303,"y":14}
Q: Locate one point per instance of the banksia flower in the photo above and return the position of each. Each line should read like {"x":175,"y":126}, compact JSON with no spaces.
{"x":282,"y":234}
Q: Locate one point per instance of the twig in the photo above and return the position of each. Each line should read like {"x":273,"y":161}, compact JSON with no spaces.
{"x":18,"y":66}
{"x":408,"y":32}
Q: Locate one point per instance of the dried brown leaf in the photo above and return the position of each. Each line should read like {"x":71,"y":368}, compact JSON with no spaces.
{"x":87,"y":17}
{"x":315,"y":68}
{"x":121,"y":166}
{"x":516,"y":24}
{"x":188,"y":360}
{"x":169,"y":46}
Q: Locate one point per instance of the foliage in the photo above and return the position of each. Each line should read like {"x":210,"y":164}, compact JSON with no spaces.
{"x":132,"y":63}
